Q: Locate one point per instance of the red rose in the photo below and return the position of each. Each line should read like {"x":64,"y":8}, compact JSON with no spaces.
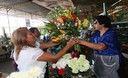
{"x":61,"y":71}
{"x":75,"y":54}
{"x":64,"y":18}
{"x":51,"y":68}
{"x":74,"y":16}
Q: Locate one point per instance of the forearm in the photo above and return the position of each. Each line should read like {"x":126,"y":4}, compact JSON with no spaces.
{"x":100,"y":46}
{"x":51,"y":57}
{"x":44,"y":45}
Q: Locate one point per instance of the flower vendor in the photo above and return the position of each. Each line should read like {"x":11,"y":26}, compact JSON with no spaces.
{"x":104,"y":41}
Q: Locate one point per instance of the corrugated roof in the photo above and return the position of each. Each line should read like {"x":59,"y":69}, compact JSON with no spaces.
{"x":19,"y":7}
{"x":42,"y":7}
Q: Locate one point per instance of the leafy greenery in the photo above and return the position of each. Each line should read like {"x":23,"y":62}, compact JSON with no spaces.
{"x":122,"y":15}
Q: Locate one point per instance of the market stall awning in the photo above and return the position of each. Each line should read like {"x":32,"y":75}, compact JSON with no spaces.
{"x":42,"y":7}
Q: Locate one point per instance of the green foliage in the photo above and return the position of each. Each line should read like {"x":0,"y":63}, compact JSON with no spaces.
{"x":58,"y":11}
{"x":54,"y":30}
{"x":65,"y":23}
{"x":122,"y":15}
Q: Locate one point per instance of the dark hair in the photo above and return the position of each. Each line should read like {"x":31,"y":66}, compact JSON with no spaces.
{"x":102,"y":19}
{"x":32,"y":29}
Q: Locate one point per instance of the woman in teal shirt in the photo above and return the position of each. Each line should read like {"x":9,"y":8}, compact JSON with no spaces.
{"x":106,"y":49}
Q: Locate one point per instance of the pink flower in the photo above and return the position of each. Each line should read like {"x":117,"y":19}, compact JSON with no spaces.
{"x":76,"y":23}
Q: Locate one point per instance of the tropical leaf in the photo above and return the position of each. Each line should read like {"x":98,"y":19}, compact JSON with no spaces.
{"x":55,"y":33}
{"x":51,"y":26}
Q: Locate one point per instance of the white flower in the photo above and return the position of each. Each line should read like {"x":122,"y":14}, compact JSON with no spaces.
{"x":75,"y":70}
{"x":72,"y":62}
{"x":20,"y":75}
{"x":35,"y":72}
{"x":79,"y":75}
{"x":62,"y":63}
{"x":67,"y":56}
{"x":54,"y":66}
{"x":79,"y":64}
{"x":76,"y":64}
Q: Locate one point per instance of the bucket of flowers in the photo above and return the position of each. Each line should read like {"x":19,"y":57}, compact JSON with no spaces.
{"x":72,"y":67}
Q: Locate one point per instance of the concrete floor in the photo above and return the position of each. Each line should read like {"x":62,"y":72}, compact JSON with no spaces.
{"x":6,"y":66}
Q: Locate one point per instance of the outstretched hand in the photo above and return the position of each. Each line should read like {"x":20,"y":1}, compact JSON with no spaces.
{"x":78,"y":40}
{"x":72,"y":41}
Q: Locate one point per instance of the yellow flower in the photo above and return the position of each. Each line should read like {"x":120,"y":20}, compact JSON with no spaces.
{"x":62,"y":31}
{"x":85,"y":23}
{"x":68,"y":15}
{"x":79,"y":23}
{"x":56,"y":39}
{"x":60,"y":20}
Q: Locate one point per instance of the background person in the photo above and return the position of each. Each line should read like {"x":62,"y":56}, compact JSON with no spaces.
{"x":36,"y":33}
{"x":41,"y":44}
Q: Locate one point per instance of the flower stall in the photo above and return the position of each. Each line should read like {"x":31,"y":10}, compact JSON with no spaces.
{"x":65,"y":24}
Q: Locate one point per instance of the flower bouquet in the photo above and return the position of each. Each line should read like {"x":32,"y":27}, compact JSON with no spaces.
{"x":65,"y":24}
{"x":69,"y":67}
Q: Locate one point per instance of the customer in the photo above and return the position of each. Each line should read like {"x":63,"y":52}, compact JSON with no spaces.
{"x":41,"y":44}
{"x":27,"y":55}
{"x":104,"y":41}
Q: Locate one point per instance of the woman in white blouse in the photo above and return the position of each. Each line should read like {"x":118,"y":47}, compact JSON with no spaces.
{"x":27,"y":55}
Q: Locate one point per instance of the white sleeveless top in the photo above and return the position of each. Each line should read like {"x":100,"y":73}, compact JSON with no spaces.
{"x":27,"y":59}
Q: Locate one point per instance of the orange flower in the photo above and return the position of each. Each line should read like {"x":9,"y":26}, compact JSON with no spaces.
{"x":60,"y":20}
{"x":69,"y":16}
{"x":62,"y":31}
{"x":64,"y":18}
